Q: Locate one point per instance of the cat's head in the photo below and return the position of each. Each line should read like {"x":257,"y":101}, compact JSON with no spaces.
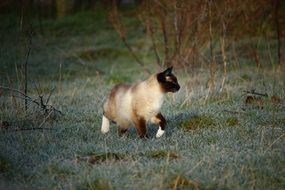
{"x":168,"y":81}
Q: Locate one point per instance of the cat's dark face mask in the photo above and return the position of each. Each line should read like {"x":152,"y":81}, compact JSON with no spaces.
{"x":168,"y":81}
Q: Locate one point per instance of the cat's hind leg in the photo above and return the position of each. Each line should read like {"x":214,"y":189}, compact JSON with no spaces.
{"x":123,"y":126}
{"x":122,"y":131}
{"x":140,"y":124}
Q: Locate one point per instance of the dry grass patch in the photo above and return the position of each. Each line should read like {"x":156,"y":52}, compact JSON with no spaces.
{"x":100,"y":157}
{"x":97,"y":184}
{"x":180,"y":182}
{"x":198,"y":122}
{"x":158,"y":154}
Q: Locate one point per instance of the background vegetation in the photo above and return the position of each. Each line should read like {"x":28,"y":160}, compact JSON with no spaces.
{"x":59,"y":59}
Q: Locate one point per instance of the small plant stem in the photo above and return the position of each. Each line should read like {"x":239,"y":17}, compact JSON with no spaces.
{"x":26,"y":68}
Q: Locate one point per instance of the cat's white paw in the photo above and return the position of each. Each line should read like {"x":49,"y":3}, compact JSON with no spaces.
{"x":159,"y":133}
{"x":105,"y":125}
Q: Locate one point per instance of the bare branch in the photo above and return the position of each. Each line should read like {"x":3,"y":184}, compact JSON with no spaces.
{"x":165,"y":40}
{"x":253,"y":92}
{"x":28,"y":129}
{"x":14,"y":90}
{"x":223,"y":54}
{"x":115,"y":20}
{"x":134,"y":55}
{"x":50,"y":93}
{"x":151,"y":32}
{"x":44,"y":106}
{"x":212,"y":63}
{"x":26,"y":64}
{"x":27,"y":99}
{"x":277,"y":24}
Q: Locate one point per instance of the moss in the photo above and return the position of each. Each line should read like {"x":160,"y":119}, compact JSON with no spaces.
{"x":157,"y":154}
{"x":198,"y":122}
{"x":232,"y":121}
{"x":5,"y":165}
{"x":246,"y":77}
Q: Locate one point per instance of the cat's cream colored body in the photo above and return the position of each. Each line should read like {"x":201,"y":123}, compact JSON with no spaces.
{"x":137,"y":104}
{"x":126,"y":103}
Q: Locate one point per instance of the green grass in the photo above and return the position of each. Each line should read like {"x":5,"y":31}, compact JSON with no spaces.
{"x":232,"y":121}
{"x":210,"y":142}
{"x":5,"y":165}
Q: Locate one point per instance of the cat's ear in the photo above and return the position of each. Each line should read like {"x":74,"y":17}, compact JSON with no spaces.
{"x":168,"y":71}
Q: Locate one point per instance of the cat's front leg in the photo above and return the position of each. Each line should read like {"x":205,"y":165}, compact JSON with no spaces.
{"x":160,"y":120}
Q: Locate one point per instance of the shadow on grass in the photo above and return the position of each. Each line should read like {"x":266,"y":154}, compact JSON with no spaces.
{"x":188,"y":121}
{"x":98,"y":158}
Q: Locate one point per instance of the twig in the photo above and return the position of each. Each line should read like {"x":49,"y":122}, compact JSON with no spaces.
{"x":26,"y":66}
{"x":233,"y":112}
{"x":255,"y":93}
{"x":115,"y":20}
{"x":165,"y":40}
{"x":82,"y":62}
{"x":37,"y":89}
{"x":134,"y":55}
{"x":28,"y":99}
{"x":149,"y":25}
{"x":43,"y":106}
{"x":50,"y":93}
{"x":14,"y":90}
{"x":212,"y":63}
{"x":54,"y":109}
{"x":196,"y":166}
{"x":223,"y":55}
{"x":27,"y":129}
{"x":273,"y":143}
{"x":276,"y":19}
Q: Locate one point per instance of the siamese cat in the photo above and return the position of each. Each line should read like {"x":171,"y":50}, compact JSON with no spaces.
{"x":139,"y":103}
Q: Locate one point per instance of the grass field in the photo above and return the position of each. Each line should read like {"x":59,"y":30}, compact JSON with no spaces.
{"x":211,"y":142}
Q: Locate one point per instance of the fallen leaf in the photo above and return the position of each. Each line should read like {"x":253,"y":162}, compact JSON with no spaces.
{"x":5,"y":125}
{"x":275,"y":99}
